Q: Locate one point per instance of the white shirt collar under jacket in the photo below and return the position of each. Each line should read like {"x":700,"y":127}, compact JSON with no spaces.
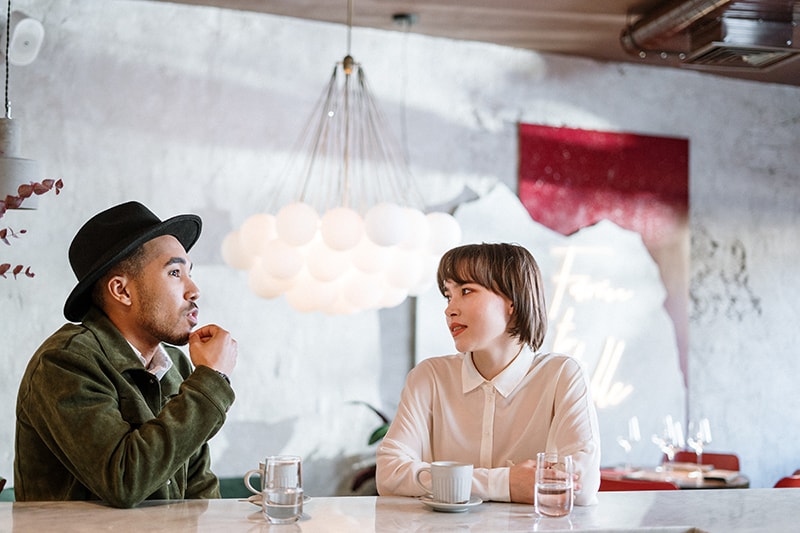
{"x":159,"y":365}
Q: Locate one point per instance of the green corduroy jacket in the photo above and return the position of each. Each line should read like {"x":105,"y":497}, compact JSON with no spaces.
{"x":93,"y":424}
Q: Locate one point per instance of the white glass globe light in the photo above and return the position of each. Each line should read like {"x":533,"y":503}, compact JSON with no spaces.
{"x":392,"y":297}
{"x":418,"y":229}
{"x":369,"y":257}
{"x":324,"y":263}
{"x":233,"y":252}
{"x":256,"y":231}
{"x":309,"y":294}
{"x":341,"y":228}
{"x":405,"y":269}
{"x":340,"y":306}
{"x":445,"y":233}
{"x":363,"y":291}
{"x":386,"y":224}
{"x":430,"y":265}
{"x":264,"y":285}
{"x":297,"y":223}
{"x":281,"y":260}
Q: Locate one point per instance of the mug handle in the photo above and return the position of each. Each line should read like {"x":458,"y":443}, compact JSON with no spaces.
{"x":248,"y":475}
{"x":428,"y":490}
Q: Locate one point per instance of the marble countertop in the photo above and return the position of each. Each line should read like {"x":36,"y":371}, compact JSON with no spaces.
{"x":724,"y":511}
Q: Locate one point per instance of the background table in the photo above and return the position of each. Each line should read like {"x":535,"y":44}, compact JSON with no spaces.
{"x":682,"y":478}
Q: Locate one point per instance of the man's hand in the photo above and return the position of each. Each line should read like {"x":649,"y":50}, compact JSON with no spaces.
{"x":213,"y":347}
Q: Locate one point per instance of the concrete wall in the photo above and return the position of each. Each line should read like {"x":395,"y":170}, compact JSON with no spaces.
{"x":192,"y":109}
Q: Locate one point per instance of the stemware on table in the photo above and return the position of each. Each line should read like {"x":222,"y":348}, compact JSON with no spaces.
{"x":698,"y":436}
{"x":669,"y":440}
{"x":627,"y":441}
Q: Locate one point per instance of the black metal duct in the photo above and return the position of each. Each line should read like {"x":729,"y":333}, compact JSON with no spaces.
{"x":666,"y":22}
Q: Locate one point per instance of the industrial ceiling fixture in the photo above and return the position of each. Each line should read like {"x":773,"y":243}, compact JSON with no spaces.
{"x":719,"y":34}
{"x":347,"y":230}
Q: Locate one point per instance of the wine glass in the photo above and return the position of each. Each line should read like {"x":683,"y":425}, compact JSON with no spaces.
{"x":670,"y":440}
{"x":699,"y":435}
{"x":627,"y":441}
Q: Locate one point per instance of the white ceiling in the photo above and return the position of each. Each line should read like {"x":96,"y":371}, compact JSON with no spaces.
{"x":587,"y":28}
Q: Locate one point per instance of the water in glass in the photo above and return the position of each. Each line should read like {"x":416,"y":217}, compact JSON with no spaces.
{"x":554,"y":499}
{"x":283,"y":505}
{"x":554,"y":484}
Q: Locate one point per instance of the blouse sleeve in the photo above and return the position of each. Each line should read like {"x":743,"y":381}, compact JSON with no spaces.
{"x":575,"y":430}
{"x":407,"y":445}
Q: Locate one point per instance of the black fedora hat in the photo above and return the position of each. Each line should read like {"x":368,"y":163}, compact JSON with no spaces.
{"x":111,"y":235}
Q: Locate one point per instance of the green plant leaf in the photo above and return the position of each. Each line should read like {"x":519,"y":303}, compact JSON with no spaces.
{"x":378,"y":434}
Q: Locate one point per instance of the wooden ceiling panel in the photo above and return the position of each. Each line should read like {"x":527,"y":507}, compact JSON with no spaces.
{"x":584,"y":28}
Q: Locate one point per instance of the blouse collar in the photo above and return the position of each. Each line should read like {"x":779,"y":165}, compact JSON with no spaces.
{"x":505,"y":382}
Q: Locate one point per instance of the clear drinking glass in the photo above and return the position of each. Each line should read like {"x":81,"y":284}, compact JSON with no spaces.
{"x":553,"y":493}
{"x":282,"y":489}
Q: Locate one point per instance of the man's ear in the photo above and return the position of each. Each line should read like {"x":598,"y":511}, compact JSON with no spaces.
{"x":117,"y":289}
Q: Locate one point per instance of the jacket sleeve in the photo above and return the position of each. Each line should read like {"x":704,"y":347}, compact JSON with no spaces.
{"x":111,"y":439}
{"x":201,"y":481}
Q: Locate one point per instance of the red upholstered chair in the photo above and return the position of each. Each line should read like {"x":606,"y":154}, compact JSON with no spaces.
{"x":721,"y":461}
{"x":609,"y":484}
{"x":787,"y":482}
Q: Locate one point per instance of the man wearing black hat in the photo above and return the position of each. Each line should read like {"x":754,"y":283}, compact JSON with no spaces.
{"x":108,"y":408}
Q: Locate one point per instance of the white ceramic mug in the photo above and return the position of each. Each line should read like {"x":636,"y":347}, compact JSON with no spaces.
{"x":554,"y":484}
{"x":450,"y":481}
{"x":254,"y":472}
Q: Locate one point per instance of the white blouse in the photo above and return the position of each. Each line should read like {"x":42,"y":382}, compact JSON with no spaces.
{"x":449,"y":412}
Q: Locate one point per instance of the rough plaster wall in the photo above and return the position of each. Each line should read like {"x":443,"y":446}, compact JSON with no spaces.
{"x":194,"y":109}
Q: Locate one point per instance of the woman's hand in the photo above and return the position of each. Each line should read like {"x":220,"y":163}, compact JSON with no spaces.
{"x":521,"y":480}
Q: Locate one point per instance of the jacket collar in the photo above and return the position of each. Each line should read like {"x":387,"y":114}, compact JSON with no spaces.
{"x":116,"y":348}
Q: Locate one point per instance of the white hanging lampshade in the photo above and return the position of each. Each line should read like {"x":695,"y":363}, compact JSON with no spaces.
{"x":16,"y":170}
{"x":23,"y":37}
{"x":348,"y":229}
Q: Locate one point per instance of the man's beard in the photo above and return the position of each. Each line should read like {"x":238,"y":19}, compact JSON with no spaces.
{"x":149,"y":318}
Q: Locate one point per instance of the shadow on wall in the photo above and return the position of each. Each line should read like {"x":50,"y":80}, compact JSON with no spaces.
{"x":322,"y":475}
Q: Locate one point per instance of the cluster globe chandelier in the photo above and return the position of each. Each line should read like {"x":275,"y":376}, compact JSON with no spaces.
{"x":347,"y":230}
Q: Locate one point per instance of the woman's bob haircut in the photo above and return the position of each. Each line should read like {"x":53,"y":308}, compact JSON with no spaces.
{"x":508,"y":270}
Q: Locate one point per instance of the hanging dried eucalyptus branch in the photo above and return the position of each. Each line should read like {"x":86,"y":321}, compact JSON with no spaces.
{"x":24,"y":192}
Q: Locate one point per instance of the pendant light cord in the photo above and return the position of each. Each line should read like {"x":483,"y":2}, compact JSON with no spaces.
{"x":8,"y":40}
{"x":349,"y":23}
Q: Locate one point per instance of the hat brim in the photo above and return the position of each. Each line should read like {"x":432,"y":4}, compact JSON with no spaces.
{"x":185,"y":228}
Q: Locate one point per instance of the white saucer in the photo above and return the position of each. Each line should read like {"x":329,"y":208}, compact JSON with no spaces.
{"x":450,"y":507}
{"x":255,"y":499}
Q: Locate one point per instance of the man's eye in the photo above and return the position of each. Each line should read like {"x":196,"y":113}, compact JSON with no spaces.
{"x":176,"y":273}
